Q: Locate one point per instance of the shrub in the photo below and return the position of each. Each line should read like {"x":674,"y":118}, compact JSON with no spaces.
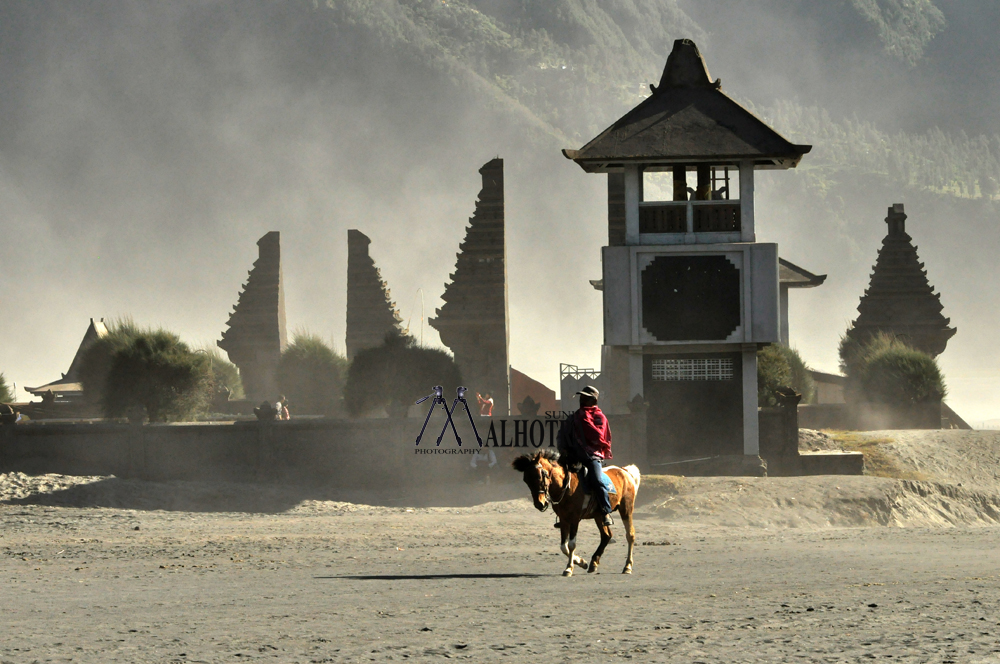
{"x":97,"y":358}
{"x":802,"y":380}
{"x":850,"y":350}
{"x":6,"y":396}
{"x":225,"y":374}
{"x":311,"y":376}
{"x":398,"y":371}
{"x":887,"y":370}
{"x":133,"y":368}
{"x":780,"y":366}
{"x":773,"y":372}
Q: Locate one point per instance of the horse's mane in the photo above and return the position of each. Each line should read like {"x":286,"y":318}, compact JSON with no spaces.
{"x":526,"y":461}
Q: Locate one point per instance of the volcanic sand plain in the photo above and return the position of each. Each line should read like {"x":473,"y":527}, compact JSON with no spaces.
{"x":901,"y":567}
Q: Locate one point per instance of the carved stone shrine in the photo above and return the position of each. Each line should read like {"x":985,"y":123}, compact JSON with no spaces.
{"x":900,"y":300}
{"x":371,"y":313}
{"x":256,"y":336}
{"x":473,"y":322}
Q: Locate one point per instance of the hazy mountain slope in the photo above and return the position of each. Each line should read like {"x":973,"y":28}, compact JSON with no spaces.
{"x":145,"y":146}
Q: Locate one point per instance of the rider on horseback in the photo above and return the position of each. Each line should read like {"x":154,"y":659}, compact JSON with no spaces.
{"x":585,"y":439}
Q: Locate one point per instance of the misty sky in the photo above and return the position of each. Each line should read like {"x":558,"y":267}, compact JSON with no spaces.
{"x":144,"y":147}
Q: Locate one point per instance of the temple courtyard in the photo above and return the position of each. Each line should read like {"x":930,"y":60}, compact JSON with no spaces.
{"x":727,"y":569}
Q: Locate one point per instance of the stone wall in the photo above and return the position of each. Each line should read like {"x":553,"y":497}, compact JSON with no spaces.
{"x":372,"y":453}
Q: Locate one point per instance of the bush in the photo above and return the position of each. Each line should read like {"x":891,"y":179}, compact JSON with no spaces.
{"x":225,"y":374}
{"x":97,"y":358}
{"x":133,"y":368}
{"x":780,"y":366}
{"x":311,"y":376}
{"x":887,"y":370}
{"x":6,"y":396}
{"x":399,"y":371}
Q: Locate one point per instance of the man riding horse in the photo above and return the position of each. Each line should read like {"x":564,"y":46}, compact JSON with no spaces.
{"x":553,"y":479}
{"x":585,"y":440}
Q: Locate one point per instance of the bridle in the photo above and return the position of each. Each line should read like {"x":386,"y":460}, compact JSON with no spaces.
{"x":545,"y":482}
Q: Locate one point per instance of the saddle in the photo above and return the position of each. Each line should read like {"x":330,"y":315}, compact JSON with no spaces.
{"x":581,"y":474}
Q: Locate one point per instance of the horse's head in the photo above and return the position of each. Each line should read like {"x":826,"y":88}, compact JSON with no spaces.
{"x":538,"y":469}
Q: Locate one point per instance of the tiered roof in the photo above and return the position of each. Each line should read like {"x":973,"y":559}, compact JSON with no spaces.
{"x":256,"y":335}
{"x":371,"y":313}
{"x":899,"y":299}
{"x":473,"y":321}
{"x":687,"y":119}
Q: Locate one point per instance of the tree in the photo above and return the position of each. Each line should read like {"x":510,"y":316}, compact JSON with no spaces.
{"x":97,"y":358}
{"x":132,"y":369}
{"x":396,"y":372}
{"x":225,"y":374}
{"x":780,"y":366}
{"x":885,"y":369}
{"x":311,"y":376}
{"x":6,"y":396}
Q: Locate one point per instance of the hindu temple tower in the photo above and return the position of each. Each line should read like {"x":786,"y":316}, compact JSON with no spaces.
{"x":474,"y":321}
{"x":900,"y":300}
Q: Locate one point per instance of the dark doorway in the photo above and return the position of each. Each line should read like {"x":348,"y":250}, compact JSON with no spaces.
{"x":695,"y":405}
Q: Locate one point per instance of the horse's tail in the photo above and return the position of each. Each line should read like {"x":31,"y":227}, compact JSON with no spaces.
{"x":633,"y":472}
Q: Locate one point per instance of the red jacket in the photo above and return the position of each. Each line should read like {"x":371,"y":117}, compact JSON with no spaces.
{"x":593,"y":431}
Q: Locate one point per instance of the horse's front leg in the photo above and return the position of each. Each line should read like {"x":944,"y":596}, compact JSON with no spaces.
{"x":625,"y":510}
{"x":569,"y":545}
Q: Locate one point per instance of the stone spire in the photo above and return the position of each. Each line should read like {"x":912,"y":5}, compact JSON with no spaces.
{"x":256,"y":334}
{"x":899,"y":300}
{"x":371,"y":313}
{"x":473,"y":322}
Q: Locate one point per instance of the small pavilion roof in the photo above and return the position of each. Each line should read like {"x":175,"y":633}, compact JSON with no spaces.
{"x":793,"y":276}
{"x":687,"y":120}
{"x":70,"y":381}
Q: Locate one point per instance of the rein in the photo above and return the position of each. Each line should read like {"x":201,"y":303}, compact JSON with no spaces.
{"x":548,"y":496}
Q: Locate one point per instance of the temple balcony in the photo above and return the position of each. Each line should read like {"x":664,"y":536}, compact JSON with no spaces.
{"x":689,"y":222}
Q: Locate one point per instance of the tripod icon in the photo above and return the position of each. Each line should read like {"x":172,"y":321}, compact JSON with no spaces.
{"x":438,"y":396}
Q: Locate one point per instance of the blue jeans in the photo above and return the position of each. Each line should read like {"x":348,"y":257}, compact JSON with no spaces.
{"x":594,"y":473}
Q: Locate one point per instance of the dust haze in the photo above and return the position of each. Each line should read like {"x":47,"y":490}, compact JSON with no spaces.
{"x":144,"y":147}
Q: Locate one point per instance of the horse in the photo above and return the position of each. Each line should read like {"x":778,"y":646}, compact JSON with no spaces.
{"x":550,"y":483}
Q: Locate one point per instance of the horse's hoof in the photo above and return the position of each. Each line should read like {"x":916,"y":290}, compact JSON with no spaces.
{"x":568,"y":572}
{"x":591,"y":569}
{"x":627,"y":570}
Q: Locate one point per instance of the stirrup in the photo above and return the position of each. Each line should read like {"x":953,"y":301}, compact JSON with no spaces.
{"x":608,"y":521}
{"x":557,"y":525}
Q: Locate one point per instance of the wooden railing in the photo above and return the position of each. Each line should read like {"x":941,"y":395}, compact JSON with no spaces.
{"x":663,"y":218}
{"x":690,"y":217}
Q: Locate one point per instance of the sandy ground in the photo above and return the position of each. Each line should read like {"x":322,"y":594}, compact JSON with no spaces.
{"x":749,"y":569}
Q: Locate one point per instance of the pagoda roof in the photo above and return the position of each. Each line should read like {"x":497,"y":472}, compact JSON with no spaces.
{"x":793,"y":276}
{"x":688,"y":119}
{"x":899,"y":299}
{"x":70,"y":381}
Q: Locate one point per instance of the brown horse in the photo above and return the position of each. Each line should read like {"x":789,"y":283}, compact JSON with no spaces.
{"x":551,"y":484}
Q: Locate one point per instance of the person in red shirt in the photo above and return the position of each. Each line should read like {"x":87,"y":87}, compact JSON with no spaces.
{"x":593,"y":435}
{"x":485,"y":405}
